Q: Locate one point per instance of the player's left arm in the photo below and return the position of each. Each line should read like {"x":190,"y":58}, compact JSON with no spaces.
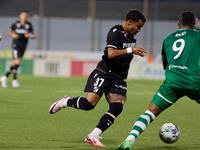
{"x":30,"y":33}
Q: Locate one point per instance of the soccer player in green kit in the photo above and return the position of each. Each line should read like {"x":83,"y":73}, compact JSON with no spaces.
{"x":181,"y":62}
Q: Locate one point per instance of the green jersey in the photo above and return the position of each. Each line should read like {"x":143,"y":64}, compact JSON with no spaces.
{"x":182,"y":51}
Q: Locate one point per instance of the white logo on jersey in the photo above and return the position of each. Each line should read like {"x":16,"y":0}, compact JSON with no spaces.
{"x":181,"y":34}
{"x":27,"y":26}
{"x":18,"y":25}
{"x":20,"y":31}
{"x":126,"y":45}
{"x":121,"y":87}
{"x":175,"y":66}
{"x":114,"y":29}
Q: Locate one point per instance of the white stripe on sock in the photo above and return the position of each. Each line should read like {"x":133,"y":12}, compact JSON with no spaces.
{"x":145,"y":117}
{"x":150,"y":113}
{"x":96,"y":131}
{"x":135,"y":131}
{"x":140,"y":124}
{"x":130,"y":137}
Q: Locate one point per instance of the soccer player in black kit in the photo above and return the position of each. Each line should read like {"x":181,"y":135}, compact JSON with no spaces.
{"x":108,"y":77}
{"x":20,"y":31}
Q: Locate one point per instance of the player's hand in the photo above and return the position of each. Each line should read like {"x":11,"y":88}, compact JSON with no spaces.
{"x":26,"y":35}
{"x":15,"y":36}
{"x":139,"y":51}
{"x":29,"y":35}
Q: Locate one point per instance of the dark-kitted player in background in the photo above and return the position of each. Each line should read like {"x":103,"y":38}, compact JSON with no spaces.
{"x":20,"y":31}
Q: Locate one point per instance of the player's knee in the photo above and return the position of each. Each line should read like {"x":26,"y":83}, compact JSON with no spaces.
{"x":85,"y":104}
{"x":89,"y":106}
{"x":116,"y":109}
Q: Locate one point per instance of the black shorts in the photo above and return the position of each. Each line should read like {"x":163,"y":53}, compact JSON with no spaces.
{"x":18,"y":50}
{"x":100,"y":82}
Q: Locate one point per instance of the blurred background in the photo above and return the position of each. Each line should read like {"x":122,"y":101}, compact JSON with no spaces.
{"x":81,"y":26}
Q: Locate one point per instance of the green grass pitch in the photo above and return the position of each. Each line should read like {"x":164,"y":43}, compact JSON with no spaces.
{"x":27,"y":125}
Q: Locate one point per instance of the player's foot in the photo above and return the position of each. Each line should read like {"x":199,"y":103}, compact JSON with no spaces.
{"x":125,"y":146}
{"x":58,"y":105}
{"x":15,"y":84}
{"x":3,"y":81}
{"x":94,"y":140}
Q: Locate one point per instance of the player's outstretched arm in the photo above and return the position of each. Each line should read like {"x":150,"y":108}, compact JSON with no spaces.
{"x":117,"y":53}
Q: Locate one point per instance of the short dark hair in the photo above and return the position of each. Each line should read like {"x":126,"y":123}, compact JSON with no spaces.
{"x":187,"y":18}
{"x":135,"y":15}
{"x":25,"y":11}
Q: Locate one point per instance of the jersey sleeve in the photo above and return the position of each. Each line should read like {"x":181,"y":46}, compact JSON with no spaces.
{"x":113,"y":38}
{"x":13,"y":27}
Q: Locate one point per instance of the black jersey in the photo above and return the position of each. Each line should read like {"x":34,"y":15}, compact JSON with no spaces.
{"x":20,"y":30}
{"x":118,"y":39}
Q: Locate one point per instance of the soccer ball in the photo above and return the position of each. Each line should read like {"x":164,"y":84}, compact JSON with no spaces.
{"x":169,"y":133}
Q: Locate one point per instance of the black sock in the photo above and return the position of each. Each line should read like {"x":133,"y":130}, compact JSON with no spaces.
{"x":9,"y":71}
{"x":15,"y":72}
{"x":109,"y":117}
{"x":80,"y":103}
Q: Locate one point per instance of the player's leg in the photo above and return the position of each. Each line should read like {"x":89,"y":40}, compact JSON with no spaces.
{"x":9,"y":71}
{"x":18,"y":53}
{"x":194,"y":95}
{"x":84,"y":103}
{"x":139,"y":126}
{"x":12,"y":68}
{"x":79,"y":102}
{"x":3,"y":80}
{"x":116,"y":106}
{"x":116,"y":102}
{"x":16,"y":64}
{"x":163,"y":99}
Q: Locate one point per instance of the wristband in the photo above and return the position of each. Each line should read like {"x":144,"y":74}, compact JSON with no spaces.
{"x":129,"y":50}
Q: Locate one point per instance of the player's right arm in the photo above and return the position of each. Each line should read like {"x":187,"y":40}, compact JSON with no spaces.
{"x":113,"y":40}
{"x":116,"y":53}
{"x":164,"y":62}
{"x":12,"y":34}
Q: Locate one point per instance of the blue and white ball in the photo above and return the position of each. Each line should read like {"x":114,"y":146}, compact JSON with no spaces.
{"x":169,"y":133}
